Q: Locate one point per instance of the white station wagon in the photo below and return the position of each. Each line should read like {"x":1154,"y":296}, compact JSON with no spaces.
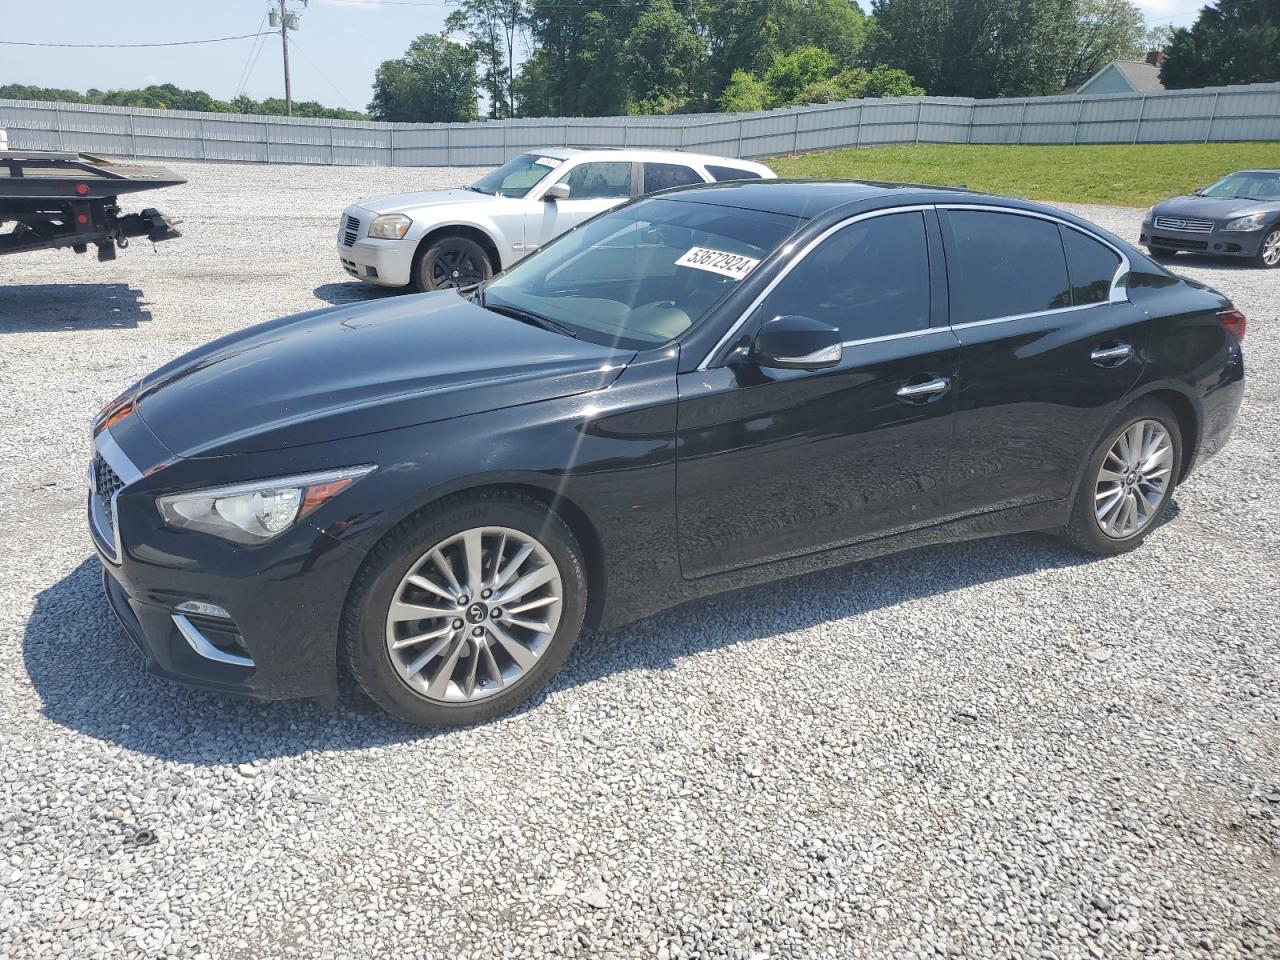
{"x":457,"y":238}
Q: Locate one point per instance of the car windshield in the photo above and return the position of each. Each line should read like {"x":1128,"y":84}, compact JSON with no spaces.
{"x":1246,"y":186}
{"x":641,"y":275}
{"x":517,"y":176}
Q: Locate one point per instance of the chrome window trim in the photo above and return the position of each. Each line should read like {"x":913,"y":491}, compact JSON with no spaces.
{"x":799,"y":258}
{"x":1117,"y":294}
{"x":110,"y":451}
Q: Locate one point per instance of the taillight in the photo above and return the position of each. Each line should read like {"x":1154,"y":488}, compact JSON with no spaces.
{"x":1234,"y":322}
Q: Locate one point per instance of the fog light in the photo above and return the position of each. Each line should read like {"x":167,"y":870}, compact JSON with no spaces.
{"x":202,"y":609}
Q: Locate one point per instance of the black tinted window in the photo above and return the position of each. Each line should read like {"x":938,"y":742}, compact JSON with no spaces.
{"x":731,"y":173}
{"x":596,"y":181}
{"x":660,"y":176}
{"x":1092,"y":266}
{"x":870,"y":279}
{"x":1007,"y":265}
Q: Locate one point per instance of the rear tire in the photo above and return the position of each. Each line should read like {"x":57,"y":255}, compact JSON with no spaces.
{"x":485,"y":655}
{"x":450,"y":262}
{"x":1128,"y":480}
{"x":1268,"y":256}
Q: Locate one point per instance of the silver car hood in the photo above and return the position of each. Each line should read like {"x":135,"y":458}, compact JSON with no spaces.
{"x":409,"y":202}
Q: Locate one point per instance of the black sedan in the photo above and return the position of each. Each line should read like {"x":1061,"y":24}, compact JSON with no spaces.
{"x":1239,"y":216}
{"x":695,"y":392}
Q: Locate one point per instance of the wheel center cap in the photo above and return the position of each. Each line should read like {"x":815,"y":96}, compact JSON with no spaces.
{"x":1131,"y":479}
{"x":456,"y":274}
{"x":477,"y":613}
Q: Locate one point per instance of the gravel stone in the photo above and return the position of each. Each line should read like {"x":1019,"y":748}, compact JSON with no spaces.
{"x":920,"y":756}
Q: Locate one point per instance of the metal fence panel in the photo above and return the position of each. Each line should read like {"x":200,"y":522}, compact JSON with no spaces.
{"x":1216,"y":114}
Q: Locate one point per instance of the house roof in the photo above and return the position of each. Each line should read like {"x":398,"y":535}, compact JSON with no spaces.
{"x":1143,"y":77}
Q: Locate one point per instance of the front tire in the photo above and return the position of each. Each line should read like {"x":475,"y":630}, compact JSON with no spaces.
{"x":1128,"y":480}
{"x":1268,"y":256}
{"x":467,"y":611}
{"x":451,"y":262}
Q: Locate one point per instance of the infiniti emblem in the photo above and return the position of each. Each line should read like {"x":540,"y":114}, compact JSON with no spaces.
{"x":476,"y":613}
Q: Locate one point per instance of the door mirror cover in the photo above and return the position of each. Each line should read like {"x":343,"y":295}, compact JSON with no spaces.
{"x":796,"y":343}
{"x":557,"y":191}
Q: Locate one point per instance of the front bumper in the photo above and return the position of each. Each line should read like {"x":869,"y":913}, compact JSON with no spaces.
{"x":1219,"y":243}
{"x":284,"y":599}
{"x":388,"y":263}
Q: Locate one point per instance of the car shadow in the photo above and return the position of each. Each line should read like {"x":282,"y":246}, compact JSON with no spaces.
{"x":353,"y":292}
{"x":41,"y":307}
{"x":89,"y":678}
{"x":1202,"y":262}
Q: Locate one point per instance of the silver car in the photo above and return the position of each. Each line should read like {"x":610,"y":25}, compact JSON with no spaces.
{"x":438,"y":239}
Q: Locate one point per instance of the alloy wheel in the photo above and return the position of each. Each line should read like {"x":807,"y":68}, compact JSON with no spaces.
{"x":1271,"y":248}
{"x":473,"y":614}
{"x":1133,"y":479}
{"x":455,"y":267}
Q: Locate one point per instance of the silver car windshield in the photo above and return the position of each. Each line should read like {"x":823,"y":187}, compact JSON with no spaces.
{"x":1246,"y":186}
{"x":641,"y":275}
{"x":517,"y":176}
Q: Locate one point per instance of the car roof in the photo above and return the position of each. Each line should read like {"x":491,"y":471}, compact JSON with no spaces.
{"x":810,"y":198}
{"x":642,"y":154}
{"x":1258,"y":170}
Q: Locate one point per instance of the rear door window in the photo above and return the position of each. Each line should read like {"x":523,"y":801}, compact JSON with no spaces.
{"x":731,"y":173}
{"x":662,"y":176}
{"x":1092,"y":266}
{"x":1005,"y":265}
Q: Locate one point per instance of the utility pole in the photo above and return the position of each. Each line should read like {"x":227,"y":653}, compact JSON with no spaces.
{"x":286,"y":20}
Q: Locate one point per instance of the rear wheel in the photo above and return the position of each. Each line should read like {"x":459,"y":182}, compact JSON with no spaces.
{"x":1269,"y":250}
{"x":1128,"y":480}
{"x":468,"y":612}
{"x":451,"y":262}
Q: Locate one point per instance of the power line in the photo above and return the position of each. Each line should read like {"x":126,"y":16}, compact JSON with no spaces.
{"x":117,"y":46}
{"x":294,"y":43}
{"x":251,"y":60}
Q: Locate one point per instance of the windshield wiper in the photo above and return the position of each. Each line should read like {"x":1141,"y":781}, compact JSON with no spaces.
{"x":531,"y":318}
{"x":480,"y":190}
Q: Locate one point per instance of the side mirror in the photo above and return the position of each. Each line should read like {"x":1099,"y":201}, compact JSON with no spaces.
{"x":796,"y":343}
{"x":1198,"y":191}
{"x":557,"y":191}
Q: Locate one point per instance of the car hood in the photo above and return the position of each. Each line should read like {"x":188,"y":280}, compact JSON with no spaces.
{"x":408,"y":202}
{"x":360,"y":369}
{"x":1211,"y":208}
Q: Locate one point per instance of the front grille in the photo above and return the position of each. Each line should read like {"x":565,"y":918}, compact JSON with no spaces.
{"x":106,"y":483}
{"x":351,"y":230}
{"x":105,"y":480}
{"x":1167,"y":243}
{"x":1183,"y":223}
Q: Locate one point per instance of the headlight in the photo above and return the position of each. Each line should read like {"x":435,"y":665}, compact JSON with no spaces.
{"x":257,"y":511}
{"x":1151,"y":214}
{"x":391,"y":226}
{"x":1252,"y":221}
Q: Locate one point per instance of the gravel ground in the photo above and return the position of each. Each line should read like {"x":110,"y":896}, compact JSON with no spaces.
{"x":998,"y":749}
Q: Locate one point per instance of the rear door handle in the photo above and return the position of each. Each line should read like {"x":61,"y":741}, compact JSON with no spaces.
{"x":1112,"y":356}
{"x":923,"y":391}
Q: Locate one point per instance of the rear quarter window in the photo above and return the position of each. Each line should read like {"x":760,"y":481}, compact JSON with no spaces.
{"x":719,"y":174}
{"x":663,"y":176}
{"x":1091,"y":265}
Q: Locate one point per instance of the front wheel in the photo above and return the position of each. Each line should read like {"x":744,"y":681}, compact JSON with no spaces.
{"x":1268,"y":256}
{"x":451,"y":262}
{"x":468,"y":611}
{"x":1128,"y":480}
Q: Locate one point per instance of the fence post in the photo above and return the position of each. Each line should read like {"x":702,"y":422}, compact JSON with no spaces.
{"x":1142,"y":109}
{"x":919,"y":114}
{"x":133,"y":137}
{"x":448,"y":145}
{"x":1075,"y":127}
{"x":1213,"y":113}
{"x":1022,"y":118}
{"x":57,"y":116}
{"x":332,"y":158}
{"x":795,"y":135}
{"x":266,"y":141}
{"x":739,"y":153}
{"x":204,"y":147}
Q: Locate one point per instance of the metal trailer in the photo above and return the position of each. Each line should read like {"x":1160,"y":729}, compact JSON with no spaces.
{"x":56,"y":199}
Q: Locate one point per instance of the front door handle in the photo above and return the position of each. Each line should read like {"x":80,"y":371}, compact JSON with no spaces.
{"x":1111,"y":356}
{"x":923,"y":391}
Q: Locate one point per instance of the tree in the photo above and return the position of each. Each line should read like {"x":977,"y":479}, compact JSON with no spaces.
{"x":745,"y":93}
{"x":1235,"y":41}
{"x":661,"y":60}
{"x":792,"y":72}
{"x":1104,"y":30}
{"x":492,"y":25}
{"x":837,"y":26}
{"x":576,"y":67}
{"x":434,"y":81}
{"x":976,"y":48}
{"x":166,"y":96}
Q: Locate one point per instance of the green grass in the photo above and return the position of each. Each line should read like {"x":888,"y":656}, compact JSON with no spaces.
{"x":1134,"y":176}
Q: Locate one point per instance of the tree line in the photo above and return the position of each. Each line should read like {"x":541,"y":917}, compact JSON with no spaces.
{"x":165,"y":96}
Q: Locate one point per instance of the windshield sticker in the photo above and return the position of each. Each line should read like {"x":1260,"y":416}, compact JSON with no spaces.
{"x":547,"y":162}
{"x":718,"y":261}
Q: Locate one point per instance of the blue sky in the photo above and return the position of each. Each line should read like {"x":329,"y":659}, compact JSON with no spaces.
{"x":335,"y":53}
